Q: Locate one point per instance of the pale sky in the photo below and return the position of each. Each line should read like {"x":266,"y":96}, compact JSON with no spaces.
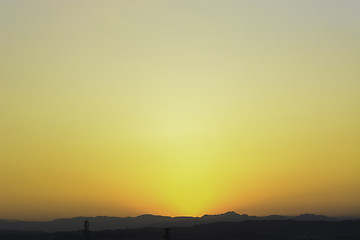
{"x":185,"y":107}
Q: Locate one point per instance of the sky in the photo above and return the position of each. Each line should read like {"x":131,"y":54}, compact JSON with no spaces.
{"x":192,"y":107}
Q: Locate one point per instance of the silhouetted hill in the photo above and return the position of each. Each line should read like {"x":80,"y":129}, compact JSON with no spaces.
{"x":227,"y":217}
{"x":145,"y":221}
{"x":313,"y":217}
{"x":276,"y":217}
{"x":249,"y":229}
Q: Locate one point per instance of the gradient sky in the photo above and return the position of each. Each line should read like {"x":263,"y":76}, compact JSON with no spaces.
{"x":179,"y":107}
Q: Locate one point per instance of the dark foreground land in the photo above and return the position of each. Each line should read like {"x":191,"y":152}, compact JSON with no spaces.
{"x":275,"y":230}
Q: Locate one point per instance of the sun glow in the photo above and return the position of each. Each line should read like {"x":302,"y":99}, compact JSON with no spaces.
{"x":179,"y":108}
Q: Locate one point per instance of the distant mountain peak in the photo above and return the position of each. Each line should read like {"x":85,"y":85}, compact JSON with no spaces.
{"x":149,"y":220}
{"x":231,"y":213}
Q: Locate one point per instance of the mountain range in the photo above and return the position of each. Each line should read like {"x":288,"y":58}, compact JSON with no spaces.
{"x":149,"y":221}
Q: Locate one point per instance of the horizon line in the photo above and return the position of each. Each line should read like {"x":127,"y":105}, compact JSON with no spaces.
{"x":188,"y":216}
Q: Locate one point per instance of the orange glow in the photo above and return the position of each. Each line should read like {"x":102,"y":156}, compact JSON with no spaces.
{"x":178,"y":108}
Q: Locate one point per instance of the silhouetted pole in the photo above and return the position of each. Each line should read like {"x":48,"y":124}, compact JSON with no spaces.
{"x":86,"y":230}
{"x":167,"y":234}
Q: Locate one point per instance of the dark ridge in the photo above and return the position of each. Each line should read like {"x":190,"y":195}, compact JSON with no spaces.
{"x":247,"y":230}
{"x":148,"y":220}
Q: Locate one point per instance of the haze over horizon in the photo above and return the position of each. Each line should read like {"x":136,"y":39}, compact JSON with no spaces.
{"x":190,"y":107}
{"x":226,"y":215}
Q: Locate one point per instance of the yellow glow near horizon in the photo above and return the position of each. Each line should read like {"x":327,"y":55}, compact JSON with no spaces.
{"x":179,"y":107}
